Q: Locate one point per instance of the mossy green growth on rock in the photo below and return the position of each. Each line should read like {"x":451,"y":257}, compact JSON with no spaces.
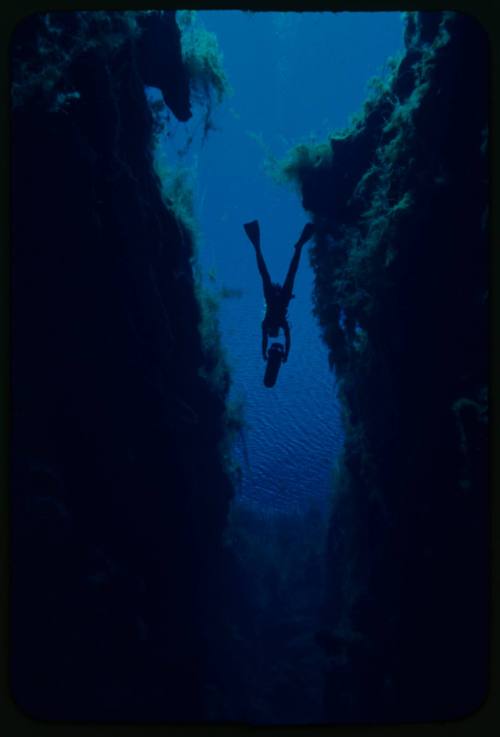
{"x":203,"y":58}
{"x":363,"y":196}
{"x":177,"y":187}
{"x":44,"y":48}
{"x":299,"y":160}
{"x":177,"y":190}
{"x":311,"y":157}
{"x":176,"y":184}
{"x":216,"y":371}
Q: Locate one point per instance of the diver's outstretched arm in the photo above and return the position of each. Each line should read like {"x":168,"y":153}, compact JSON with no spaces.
{"x":288,"y":342}
{"x":264,"y":342}
{"x":253,"y":232}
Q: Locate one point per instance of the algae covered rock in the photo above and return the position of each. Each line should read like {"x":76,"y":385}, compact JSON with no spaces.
{"x":401,"y":264}
{"x":120,"y":490}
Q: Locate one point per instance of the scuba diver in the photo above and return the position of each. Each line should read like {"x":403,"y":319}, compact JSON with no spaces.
{"x":277,"y":297}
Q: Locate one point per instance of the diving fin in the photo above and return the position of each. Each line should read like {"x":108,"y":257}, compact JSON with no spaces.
{"x":253,"y":232}
{"x":307,"y":232}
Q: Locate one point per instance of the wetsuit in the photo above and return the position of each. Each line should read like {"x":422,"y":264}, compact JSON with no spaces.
{"x":277,"y":301}
{"x":277,"y":297}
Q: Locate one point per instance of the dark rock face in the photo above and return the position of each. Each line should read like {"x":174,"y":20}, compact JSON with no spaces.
{"x":158,"y":61}
{"x":401,"y":294}
{"x":119,"y":495}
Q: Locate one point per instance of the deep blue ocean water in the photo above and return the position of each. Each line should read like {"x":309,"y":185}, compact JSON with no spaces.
{"x":294,"y":77}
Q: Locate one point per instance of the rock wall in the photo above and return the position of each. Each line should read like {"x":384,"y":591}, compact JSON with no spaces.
{"x":119,"y":491}
{"x":401,"y":268}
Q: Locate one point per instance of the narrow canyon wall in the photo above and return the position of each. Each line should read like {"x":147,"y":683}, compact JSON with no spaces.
{"x":401,"y":291}
{"x":120,"y":488}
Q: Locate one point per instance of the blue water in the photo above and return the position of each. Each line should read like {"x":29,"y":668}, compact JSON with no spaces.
{"x":294,"y":76}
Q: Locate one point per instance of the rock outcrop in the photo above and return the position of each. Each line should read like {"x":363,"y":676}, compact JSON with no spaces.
{"x":120,"y":491}
{"x":401,"y":265}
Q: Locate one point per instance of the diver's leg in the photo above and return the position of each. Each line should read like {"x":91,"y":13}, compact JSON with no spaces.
{"x":292,"y":270}
{"x":288,"y":341}
{"x":307,"y":233}
{"x":266,"y":279}
{"x":264,"y":340}
{"x":253,"y":232}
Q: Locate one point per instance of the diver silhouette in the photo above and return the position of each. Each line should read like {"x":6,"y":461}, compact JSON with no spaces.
{"x":277,"y":297}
